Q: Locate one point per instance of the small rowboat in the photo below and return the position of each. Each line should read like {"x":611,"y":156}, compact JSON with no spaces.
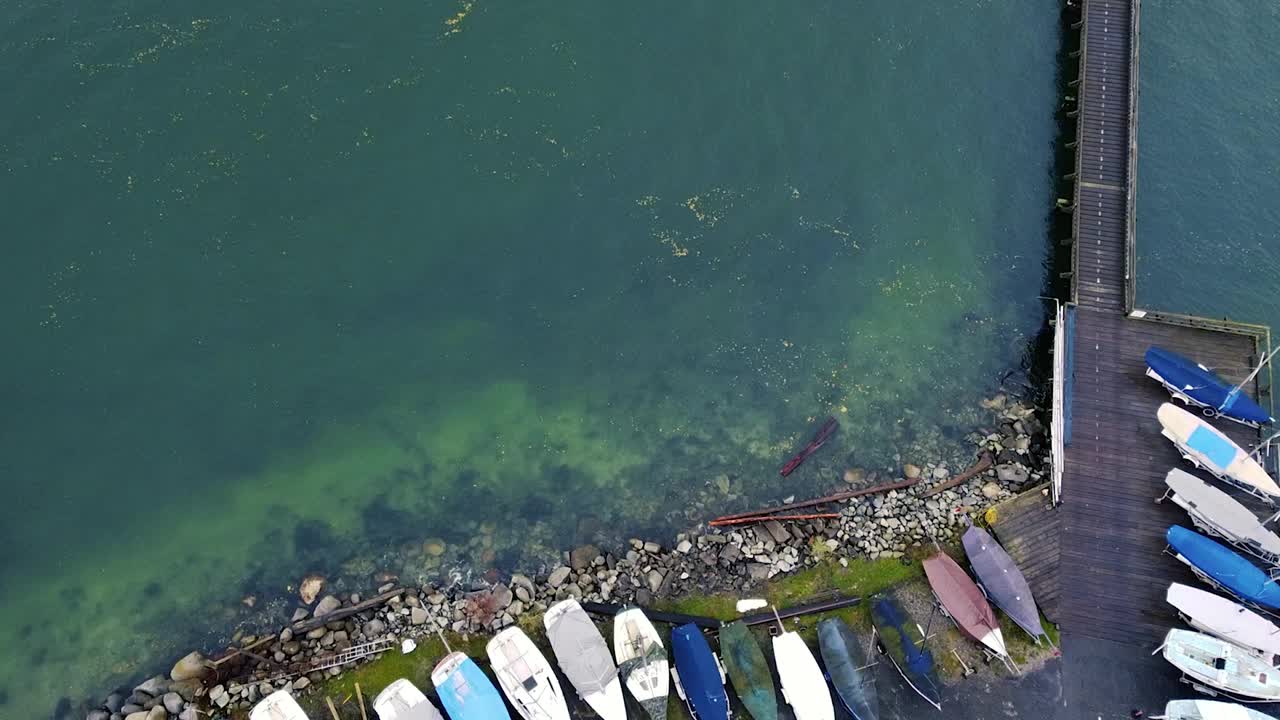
{"x":965,"y":604}
{"x":748,"y":671}
{"x":1002,"y":581}
{"x":904,"y":646}
{"x":698,"y":674}
{"x":850,"y":671}
{"x":464,"y":690}
{"x":803,"y":686}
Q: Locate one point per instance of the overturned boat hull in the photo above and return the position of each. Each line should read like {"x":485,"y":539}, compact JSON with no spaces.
{"x":748,"y":671}
{"x":1003,"y":581}
{"x":847,"y":664}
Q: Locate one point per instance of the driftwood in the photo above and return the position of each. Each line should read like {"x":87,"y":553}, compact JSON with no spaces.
{"x":983,"y":464}
{"x":837,"y":497}
{"x":376,"y":601}
{"x":761,"y":518}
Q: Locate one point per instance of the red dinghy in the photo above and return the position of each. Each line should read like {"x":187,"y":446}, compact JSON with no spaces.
{"x":965,"y":603}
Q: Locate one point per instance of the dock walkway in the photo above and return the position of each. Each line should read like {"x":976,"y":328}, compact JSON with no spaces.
{"x":1110,"y":532}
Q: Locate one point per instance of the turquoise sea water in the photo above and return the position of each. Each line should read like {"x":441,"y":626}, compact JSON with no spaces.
{"x":1208,"y":197}
{"x":303,"y":287}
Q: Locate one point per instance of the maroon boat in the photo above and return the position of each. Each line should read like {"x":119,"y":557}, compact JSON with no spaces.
{"x":964,"y":602}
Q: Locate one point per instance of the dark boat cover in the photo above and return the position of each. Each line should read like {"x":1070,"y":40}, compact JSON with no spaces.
{"x":1203,"y":386}
{"x":1234,"y":573}
{"x":1002,"y":580}
{"x":904,"y":647}
{"x":699,"y":674}
{"x":846,"y":660}
{"x":747,"y":669}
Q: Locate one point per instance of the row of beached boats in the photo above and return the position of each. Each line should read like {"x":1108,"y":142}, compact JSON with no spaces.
{"x":1233,"y":648}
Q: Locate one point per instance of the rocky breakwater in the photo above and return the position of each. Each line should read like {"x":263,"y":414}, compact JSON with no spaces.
{"x":332,"y":634}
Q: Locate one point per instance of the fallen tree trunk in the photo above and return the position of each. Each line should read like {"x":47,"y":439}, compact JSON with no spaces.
{"x":982,"y":465}
{"x":837,"y":497}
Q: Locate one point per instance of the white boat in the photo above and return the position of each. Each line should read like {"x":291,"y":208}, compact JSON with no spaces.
{"x":1214,"y":666}
{"x":584,"y":657}
{"x":1225,"y":619}
{"x":526,"y":677}
{"x":803,"y":685}
{"x":1206,"y":447}
{"x":279,"y":705}
{"x":642,"y":660}
{"x":402,"y":700}
{"x":1209,"y":710}
{"x":1217,"y":513}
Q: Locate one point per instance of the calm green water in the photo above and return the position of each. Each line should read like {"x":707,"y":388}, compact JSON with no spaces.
{"x":300,"y":287}
{"x":1209,"y":160}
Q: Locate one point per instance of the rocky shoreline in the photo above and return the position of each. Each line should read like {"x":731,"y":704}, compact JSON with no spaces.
{"x":321,"y":640}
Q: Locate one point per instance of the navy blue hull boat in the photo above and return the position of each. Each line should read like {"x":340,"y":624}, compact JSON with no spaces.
{"x":846,"y":661}
{"x":903,"y":644}
{"x":1195,"y":384}
{"x":699,"y":677}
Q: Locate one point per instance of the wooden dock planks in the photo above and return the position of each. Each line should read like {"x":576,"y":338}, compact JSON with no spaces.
{"x":1027,"y":526}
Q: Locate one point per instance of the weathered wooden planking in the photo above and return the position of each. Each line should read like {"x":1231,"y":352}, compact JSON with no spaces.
{"x":1027,"y":526}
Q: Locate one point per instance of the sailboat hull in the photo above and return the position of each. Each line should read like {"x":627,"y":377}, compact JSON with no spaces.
{"x":1197,"y":385}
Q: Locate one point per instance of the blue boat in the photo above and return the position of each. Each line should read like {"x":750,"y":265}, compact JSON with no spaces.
{"x":847,"y":666}
{"x":1197,"y":385}
{"x":904,"y":646}
{"x":699,"y":677}
{"x":1223,"y":568}
{"x":465,"y":692}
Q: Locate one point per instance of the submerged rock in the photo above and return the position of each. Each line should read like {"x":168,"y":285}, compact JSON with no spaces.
{"x":582,"y":557}
{"x":310,"y":587}
{"x":191,"y":667}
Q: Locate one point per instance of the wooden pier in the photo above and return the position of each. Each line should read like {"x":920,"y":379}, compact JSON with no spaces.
{"x":1110,"y":532}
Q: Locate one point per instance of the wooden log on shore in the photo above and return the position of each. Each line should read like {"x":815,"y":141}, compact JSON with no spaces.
{"x":376,"y":601}
{"x":761,"y":518}
{"x":982,"y":465}
{"x":764,"y":514}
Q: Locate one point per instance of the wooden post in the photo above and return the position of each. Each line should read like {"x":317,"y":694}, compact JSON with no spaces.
{"x":360,"y":699}
{"x":332,"y":710}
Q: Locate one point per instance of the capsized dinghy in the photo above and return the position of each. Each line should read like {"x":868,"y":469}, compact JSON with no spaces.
{"x":965,"y":604}
{"x":402,"y":700}
{"x":1209,"y":664}
{"x":1206,"y":447}
{"x":904,"y":646}
{"x":803,"y":686}
{"x":1217,"y":513}
{"x":850,"y":671}
{"x":698,"y":674}
{"x":584,"y":657}
{"x":642,"y":660}
{"x":1209,"y":710}
{"x":464,"y":690}
{"x":1003,"y":582}
{"x":1197,"y":385}
{"x":1222,"y":618}
{"x":525,"y":676}
{"x":1220,"y":567}
{"x":279,"y":705}
{"x":748,"y":671}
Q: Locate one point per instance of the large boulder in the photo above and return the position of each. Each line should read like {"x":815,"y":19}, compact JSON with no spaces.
{"x":310,"y":587}
{"x":558,"y":576}
{"x":582,"y":557}
{"x":154,"y":687}
{"x":191,"y":667}
{"x":158,"y":713}
{"x":327,"y":604}
{"x":174,"y":703}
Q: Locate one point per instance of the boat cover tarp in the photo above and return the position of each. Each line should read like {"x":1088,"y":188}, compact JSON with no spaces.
{"x":748,"y":670}
{"x":960,"y":596}
{"x":1204,"y":386}
{"x":1001,"y":578}
{"x":1223,"y":565}
{"x":699,"y":673}
{"x":401,"y":710}
{"x":1223,"y":512}
{"x":1220,"y":451}
{"x":1210,"y":710}
{"x":905,"y":648}
{"x":468,"y":695}
{"x":581,"y":651}
{"x":844,"y":655}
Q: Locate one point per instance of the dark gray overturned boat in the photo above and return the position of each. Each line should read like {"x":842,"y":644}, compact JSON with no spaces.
{"x":846,"y":661}
{"x":1002,"y":581}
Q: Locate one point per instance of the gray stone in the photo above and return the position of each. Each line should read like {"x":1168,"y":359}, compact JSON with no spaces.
{"x":654,"y":580}
{"x":286,"y":635}
{"x":158,"y":713}
{"x":114,"y":702}
{"x":217,"y":692}
{"x":582,"y":557}
{"x":153,"y":686}
{"x":1015,"y":474}
{"x":374,"y":628}
{"x":189,"y":714}
{"x":910,"y":472}
{"x":327,"y":604}
{"x":140,"y":698}
{"x":299,"y":614}
{"x":130,"y":709}
{"x":758,"y":571}
{"x":191,"y":667}
{"x":684,"y":546}
{"x":301,"y":683}
{"x":652,"y":548}
{"x":940,"y":473}
{"x":136,"y":715}
{"x":502,"y":596}
{"x":418,"y":616}
{"x":558,"y":576}
{"x":98,"y":715}
{"x":776,"y":531}
{"x":991,"y":491}
{"x":730,"y":553}
{"x":222,"y":700}
{"x":174,"y":703}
